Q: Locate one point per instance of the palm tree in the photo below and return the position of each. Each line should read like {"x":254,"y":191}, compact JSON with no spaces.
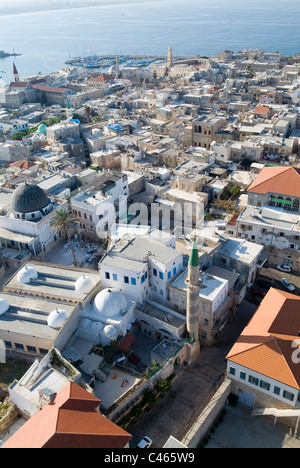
{"x":64,"y":221}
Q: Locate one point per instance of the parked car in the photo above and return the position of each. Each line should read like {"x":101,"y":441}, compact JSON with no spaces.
{"x":146,"y":442}
{"x":287,"y":284}
{"x":253,"y":299}
{"x":257,"y":292}
{"x":285,"y":268}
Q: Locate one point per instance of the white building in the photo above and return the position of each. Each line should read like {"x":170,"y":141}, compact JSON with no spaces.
{"x":264,"y":362}
{"x":143,"y":267}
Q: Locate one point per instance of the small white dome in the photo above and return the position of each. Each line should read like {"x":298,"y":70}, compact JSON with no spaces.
{"x":109,"y":333}
{"x":109,"y":303}
{"x":96,"y":326}
{"x":84,"y":284}
{"x":85,"y":323}
{"x":110,"y":330}
{"x":26,"y":274}
{"x":57,"y":318}
{"x":4,"y":306}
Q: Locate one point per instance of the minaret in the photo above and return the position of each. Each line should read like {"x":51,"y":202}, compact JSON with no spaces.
{"x":16,"y":74}
{"x":193,"y":283}
{"x":117,"y":65}
{"x":170,"y":57}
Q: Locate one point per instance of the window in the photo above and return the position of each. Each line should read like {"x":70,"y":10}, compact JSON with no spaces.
{"x":232,"y":371}
{"x":174,"y":271}
{"x":115,"y":277}
{"x":19,"y":346}
{"x":175,"y":297}
{"x":253,"y":380}
{"x":154,"y":271}
{"x":107,"y":275}
{"x":169,"y":275}
{"x":288,"y":395}
{"x":133,"y":281}
{"x":243,"y":376}
{"x":264,"y":385}
{"x":31,"y":349}
{"x":161,"y":275}
{"x":126,"y":280}
{"x":277,"y":390}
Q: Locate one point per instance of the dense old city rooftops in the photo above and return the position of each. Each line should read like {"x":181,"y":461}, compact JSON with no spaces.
{"x":220,"y":134}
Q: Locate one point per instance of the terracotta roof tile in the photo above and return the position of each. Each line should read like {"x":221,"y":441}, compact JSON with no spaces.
{"x":281,"y":180}
{"x":266,"y":344}
{"x":69,"y":421}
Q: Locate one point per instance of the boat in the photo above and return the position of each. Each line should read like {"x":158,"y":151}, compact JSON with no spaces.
{"x":6,"y":54}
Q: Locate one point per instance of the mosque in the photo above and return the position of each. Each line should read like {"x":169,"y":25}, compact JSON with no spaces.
{"x":25,"y":222}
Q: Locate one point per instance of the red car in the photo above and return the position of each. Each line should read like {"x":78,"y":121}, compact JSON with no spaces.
{"x":257,"y":292}
{"x":134,"y":359}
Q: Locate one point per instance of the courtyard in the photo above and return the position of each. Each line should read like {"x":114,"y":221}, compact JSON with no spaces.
{"x":241,"y":430}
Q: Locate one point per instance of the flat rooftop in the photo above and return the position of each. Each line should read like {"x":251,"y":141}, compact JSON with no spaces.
{"x":210,"y":288}
{"x":54,"y":281}
{"x":163,"y":314}
{"x":28,"y":316}
{"x":271,"y":217}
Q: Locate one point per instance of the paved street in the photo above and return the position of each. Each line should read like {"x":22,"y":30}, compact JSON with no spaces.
{"x":192,"y":388}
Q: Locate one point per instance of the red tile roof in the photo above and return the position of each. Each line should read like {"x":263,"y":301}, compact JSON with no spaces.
{"x":23,"y":164}
{"x":50,"y":89}
{"x":262,"y":110}
{"x":266,"y":344}
{"x":69,"y":421}
{"x":281,"y":180}
{"x":103,"y":78}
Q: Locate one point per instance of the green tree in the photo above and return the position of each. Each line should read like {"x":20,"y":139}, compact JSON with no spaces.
{"x":64,"y":221}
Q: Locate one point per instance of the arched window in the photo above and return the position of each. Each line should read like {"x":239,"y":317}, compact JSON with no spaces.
{"x":288,"y":204}
{"x":272,"y":200}
{"x":295,"y":206}
{"x":280,"y":202}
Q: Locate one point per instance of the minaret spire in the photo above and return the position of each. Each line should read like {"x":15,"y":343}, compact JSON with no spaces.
{"x":16,"y":74}
{"x":193,"y":283}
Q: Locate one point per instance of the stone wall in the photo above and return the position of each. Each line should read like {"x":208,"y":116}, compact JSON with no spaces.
{"x":9,"y":418}
{"x":206,"y":419}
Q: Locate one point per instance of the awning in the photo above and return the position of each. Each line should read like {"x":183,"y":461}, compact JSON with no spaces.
{"x":126,"y":343}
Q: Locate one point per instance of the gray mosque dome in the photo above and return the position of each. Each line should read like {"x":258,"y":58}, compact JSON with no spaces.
{"x":29,"y":198}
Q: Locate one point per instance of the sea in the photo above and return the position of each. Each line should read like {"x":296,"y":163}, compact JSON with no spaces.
{"x":47,"y":39}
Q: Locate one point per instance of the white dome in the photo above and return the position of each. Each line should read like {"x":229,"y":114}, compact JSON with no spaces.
{"x":57,"y":318}
{"x":97,"y":326}
{"x":109,"y":303}
{"x":4,"y":306}
{"x":109,"y":333}
{"x":84,"y":284}
{"x":110,"y":330}
{"x":85,"y":323}
{"x":26,"y":274}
